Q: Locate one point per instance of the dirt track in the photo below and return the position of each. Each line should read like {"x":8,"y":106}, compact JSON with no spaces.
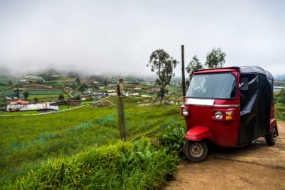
{"x":256,"y":166}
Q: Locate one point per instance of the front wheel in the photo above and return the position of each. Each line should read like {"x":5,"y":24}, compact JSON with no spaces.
{"x":271,"y":138}
{"x":195,"y":151}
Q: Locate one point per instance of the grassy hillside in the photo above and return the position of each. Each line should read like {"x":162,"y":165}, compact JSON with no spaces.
{"x":124,"y":165}
{"x":27,"y":141}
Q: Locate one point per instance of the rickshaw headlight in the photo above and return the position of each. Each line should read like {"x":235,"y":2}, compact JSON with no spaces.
{"x":218,"y":115}
{"x":185,"y":111}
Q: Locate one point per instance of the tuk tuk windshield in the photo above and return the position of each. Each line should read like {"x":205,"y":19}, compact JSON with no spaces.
{"x":216,"y":85}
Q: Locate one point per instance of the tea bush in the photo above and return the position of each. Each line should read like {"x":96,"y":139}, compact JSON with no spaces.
{"x":172,"y":137}
{"x":125,"y":165}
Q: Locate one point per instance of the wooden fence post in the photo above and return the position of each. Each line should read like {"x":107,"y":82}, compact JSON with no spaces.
{"x":183,"y":72}
{"x":121,"y":110}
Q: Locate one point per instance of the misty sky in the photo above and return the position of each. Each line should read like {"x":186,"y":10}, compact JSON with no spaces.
{"x":119,"y":35}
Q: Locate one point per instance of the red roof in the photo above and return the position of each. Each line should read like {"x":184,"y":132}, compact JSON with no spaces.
{"x":20,"y":102}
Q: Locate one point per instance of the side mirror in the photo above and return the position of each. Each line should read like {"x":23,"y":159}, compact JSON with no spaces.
{"x":243,"y":84}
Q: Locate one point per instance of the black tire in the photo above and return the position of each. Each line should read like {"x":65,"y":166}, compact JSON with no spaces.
{"x":195,"y":151}
{"x":271,"y":139}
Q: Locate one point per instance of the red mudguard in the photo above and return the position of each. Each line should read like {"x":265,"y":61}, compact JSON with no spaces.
{"x":198,"y":133}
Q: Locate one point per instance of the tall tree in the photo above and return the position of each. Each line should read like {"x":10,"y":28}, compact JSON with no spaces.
{"x":17,"y":93}
{"x":215,"y":58}
{"x":77,"y":97}
{"x":36,"y":100}
{"x":61,"y":97}
{"x":77,"y":80}
{"x":26,"y":94}
{"x":161,"y":63}
{"x":82,"y":87}
{"x":193,"y":66}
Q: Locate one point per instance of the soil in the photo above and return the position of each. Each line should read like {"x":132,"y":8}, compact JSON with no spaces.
{"x":255,"y":166}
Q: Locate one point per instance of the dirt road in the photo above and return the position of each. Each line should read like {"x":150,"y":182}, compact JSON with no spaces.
{"x":256,"y":166}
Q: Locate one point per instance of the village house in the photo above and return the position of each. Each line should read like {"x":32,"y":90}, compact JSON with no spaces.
{"x":98,"y":95}
{"x":21,"y":105}
{"x":133,"y":94}
{"x":153,"y":90}
{"x":67,"y":89}
{"x":278,"y":85}
{"x":23,"y":81}
{"x":137,"y":89}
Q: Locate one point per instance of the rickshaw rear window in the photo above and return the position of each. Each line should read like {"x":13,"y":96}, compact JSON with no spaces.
{"x":216,"y":85}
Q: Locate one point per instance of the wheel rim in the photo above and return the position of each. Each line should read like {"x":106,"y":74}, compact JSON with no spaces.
{"x":196,"y":149}
{"x":274,"y":134}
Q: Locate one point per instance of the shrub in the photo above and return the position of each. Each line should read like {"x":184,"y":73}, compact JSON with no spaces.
{"x":125,"y":165}
{"x":61,"y":97}
{"x":172,"y":137}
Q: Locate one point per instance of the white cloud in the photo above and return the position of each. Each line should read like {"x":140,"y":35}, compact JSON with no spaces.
{"x":119,"y":36}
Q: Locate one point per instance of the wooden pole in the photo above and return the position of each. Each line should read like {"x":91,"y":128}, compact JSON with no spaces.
{"x":121,"y":110}
{"x":183,"y":71}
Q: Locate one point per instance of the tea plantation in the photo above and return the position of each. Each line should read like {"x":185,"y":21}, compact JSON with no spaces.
{"x":81,"y":148}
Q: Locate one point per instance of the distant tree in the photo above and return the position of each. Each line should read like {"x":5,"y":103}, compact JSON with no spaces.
{"x":26,"y":94}
{"x":46,"y":76}
{"x":77,"y":97}
{"x":17,"y":93}
{"x":36,"y":100}
{"x":73,"y":75}
{"x":193,"y":66}
{"x":161,"y":62}
{"x":105,"y":82}
{"x":96,"y":87}
{"x":159,"y":93}
{"x":215,"y":59}
{"x":89,"y":98}
{"x":77,"y":80}
{"x":61,"y":97}
{"x":10,"y":82}
{"x":82,"y":87}
{"x":281,"y":96}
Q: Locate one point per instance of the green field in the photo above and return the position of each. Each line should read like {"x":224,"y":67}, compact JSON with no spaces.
{"x":280,"y":112}
{"x":6,"y":83}
{"x":44,"y":98}
{"x":27,"y":141}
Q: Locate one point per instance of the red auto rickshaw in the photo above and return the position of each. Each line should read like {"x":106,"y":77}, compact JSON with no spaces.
{"x":228,"y":107}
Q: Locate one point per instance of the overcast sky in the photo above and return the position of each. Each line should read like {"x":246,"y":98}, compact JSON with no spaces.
{"x":119,"y":35}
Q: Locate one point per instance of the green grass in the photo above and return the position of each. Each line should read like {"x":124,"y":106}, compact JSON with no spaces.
{"x":280,"y":112}
{"x":19,"y":113}
{"x":124,"y":165}
{"x":86,"y":102}
{"x":26,"y":141}
{"x":44,"y":97}
{"x":279,"y":105}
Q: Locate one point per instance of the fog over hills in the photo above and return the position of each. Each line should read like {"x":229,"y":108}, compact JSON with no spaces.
{"x":119,"y":36}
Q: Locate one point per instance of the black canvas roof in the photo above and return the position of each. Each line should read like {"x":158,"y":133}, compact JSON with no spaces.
{"x":255,"y":69}
{"x":249,"y":70}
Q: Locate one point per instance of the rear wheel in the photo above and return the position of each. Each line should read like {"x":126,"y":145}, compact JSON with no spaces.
{"x":271,"y":139}
{"x":195,"y":151}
